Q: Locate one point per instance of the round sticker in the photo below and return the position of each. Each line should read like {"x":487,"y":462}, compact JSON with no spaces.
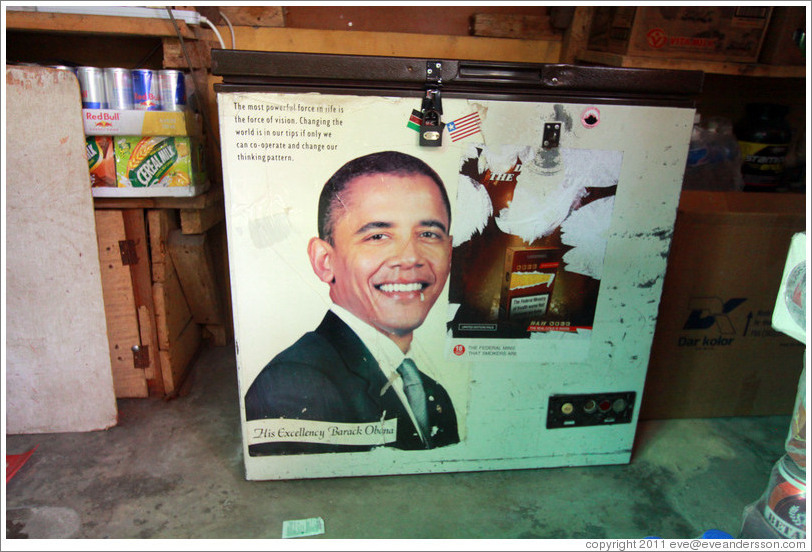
{"x":591,"y":117}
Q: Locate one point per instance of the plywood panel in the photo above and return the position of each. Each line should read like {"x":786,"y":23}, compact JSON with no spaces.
{"x":119,"y":305}
{"x":58,"y":370}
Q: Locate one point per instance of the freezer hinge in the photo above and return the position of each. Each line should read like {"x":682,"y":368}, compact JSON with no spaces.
{"x":128,"y":254}
{"x":140,"y":356}
{"x":431,"y":127}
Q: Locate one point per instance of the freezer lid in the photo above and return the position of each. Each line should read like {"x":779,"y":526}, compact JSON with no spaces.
{"x":242,"y":68}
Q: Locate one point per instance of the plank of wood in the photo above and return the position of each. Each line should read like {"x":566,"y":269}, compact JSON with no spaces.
{"x":576,"y":36}
{"x":398,"y":44}
{"x":178,"y":359}
{"x":439,"y":18}
{"x":255,"y":16}
{"x":119,"y":306}
{"x":193,"y":263}
{"x":107,"y":24}
{"x":718,"y":67}
{"x":172,"y":313}
{"x":160,"y":222}
{"x":218,"y":244}
{"x":197,"y":221}
{"x":135,"y":229}
{"x":503,"y":25}
{"x":199,"y":53}
{"x":213,"y":195}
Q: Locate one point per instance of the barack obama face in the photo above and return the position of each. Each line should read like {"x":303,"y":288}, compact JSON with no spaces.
{"x":387,"y":254}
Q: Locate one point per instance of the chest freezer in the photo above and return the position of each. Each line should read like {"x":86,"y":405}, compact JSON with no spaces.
{"x":443,"y":265}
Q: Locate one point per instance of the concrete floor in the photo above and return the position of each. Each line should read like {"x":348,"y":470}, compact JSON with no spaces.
{"x":173,"y":469}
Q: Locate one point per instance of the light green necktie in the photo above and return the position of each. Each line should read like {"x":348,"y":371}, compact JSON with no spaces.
{"x":413,"y":387}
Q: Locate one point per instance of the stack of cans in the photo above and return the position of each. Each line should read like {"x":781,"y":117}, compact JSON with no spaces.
{"x":140,"y":89}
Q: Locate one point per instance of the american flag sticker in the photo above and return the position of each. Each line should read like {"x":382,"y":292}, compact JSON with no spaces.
{"x":415,"y":120}
{"x":464,"y":127}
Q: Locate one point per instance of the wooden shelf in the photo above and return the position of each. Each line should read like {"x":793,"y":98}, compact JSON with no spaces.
{"x":102,"y":24}
{"x":198,"y":214}
{"x":213,"y":196}
{"x":717,"y":67}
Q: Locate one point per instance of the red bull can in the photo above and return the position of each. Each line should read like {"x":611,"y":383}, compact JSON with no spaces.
{"x":118,"y":85}
{"x":146,"y":94}
{"x":173,"y":90}
{"x":91,"y":83}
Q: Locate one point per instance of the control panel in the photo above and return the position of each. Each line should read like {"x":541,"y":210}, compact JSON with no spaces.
{"x":590,"y":409}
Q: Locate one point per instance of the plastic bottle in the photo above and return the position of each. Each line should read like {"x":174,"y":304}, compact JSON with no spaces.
{"x":795,"y":444}
{"x":697,"y":173}
{"x":726,"y":158}
{"x":714,"y":158}
{"x":764,"y":137}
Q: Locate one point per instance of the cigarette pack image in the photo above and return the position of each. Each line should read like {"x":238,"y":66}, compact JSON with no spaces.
{"x":527,"y":286}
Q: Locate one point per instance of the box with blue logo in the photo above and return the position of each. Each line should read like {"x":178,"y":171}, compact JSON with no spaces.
{"x":715,"y":351}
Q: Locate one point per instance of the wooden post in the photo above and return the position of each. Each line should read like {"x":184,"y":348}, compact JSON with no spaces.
{"x":135,"y":230}
{"x":577,"y":36}
{"x":119,"y":306}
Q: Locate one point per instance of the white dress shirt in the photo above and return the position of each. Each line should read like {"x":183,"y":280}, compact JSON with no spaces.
{"x":386,"y":353}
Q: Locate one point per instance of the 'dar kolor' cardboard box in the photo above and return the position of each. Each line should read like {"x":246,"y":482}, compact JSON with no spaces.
{"x":715,"y":352}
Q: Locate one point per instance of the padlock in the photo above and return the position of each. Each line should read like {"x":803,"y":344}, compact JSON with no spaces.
{"x":431,"y":129}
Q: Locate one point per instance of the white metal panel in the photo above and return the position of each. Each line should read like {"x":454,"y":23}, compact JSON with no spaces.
{"x":273,"y":176}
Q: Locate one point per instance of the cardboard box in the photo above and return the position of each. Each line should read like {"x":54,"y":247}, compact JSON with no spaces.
{"x":101,"y":161}
{"x":779,"y":48}
{"x":708,"y":33}
{"x":715,"y":352}
{"x":113,"y":122}
{"x":156,"y":166}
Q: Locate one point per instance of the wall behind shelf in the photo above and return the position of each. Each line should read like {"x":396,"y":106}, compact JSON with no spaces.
{"x":50,"y":48}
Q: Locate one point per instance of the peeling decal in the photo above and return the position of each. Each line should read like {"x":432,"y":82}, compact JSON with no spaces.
{"x":591,"y":117}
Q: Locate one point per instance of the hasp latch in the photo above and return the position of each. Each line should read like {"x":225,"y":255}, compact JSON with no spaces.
{"x":551,"y":136}
{"x":140,"y":356}
{"x":431,"y":127}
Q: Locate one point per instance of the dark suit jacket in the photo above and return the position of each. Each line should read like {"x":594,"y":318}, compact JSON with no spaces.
{"x":329,"y":375}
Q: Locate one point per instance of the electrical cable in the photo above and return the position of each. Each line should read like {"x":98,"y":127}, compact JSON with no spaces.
{"x":230,"y":28}
{"x":216,"y":32}
{"x":203,"y":109}
{"x":143,"y":60}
